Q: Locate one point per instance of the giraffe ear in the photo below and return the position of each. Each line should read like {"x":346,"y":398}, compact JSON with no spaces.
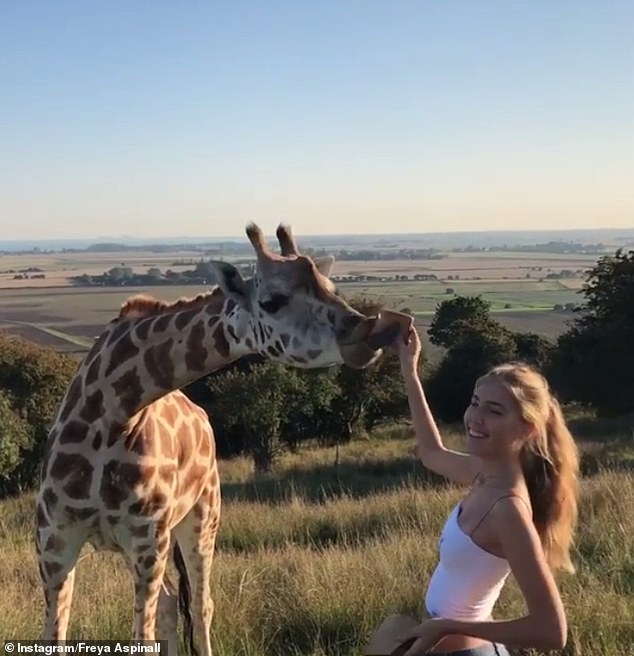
{"x":324,"y":264}
{"x":231,"y":282}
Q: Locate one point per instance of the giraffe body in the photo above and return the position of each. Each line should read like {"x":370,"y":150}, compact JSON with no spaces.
{"x":130,"y":463}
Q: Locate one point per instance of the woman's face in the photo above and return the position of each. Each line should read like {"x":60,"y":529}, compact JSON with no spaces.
{"x":493,"y":421}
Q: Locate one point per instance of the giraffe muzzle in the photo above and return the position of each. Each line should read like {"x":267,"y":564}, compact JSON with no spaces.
{"x":388,"y":326}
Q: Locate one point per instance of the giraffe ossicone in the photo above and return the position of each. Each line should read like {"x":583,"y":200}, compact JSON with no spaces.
{"x":130,"y":462}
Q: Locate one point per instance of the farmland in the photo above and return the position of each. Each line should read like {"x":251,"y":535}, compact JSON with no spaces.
{"x":523,"y":288}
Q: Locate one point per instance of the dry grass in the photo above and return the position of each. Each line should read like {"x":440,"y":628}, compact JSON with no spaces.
{"x":298,"y":572}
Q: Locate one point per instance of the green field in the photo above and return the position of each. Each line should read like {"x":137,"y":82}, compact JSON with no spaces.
{"x":311,"y":557}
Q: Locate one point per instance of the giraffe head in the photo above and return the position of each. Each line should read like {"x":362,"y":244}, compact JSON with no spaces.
{"x":293,"y":314}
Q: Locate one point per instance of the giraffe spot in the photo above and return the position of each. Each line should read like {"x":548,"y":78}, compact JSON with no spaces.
{"x":78,"y":484}
{"x":113,"y":435}
{"x":54,"y":543}
{"x":49,"y":498}
{"x":42,"y":519}
{"x":249,"y":343}
{"x":163,"y":543}
{"x":80,"y":514}
{"x":229,"y":307}
{"x":262,"y":335}
{"x":97,"y":441}
{"x":140,"y":531}
{"x":118,"y":479}
{"x":73,"y":432}
{"x":196,"y":352}
{"x":313,"y":354}
{"x":159,"y":364}
{"x":51,"y":568}
{"x":272,"y":351}
{"x":195,"y":476}
{"x":119,"y":329}
{"x":220,"y":341}
{"x":161,"y":323}
{"x":166,"y":472}
{"x":72,"y":397}
{"x":170,"y":414}
{"x":123,"y":351}
{"x":232,"y":333}
{"x":142,"y":329}
{"x":286,"y":338}
{"x":93,"y":371}
{"x":298,"y":358}
{"x":93,"y":407}
{"x":112,"y":520}
{"x":129,"y":391}
{"x":296,"y":343}
{"x":184,"y":318}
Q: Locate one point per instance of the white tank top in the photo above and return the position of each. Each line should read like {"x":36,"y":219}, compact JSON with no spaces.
{"x":468,"y":580}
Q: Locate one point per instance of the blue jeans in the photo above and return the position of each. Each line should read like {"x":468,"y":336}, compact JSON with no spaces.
{"x":486,"y":650}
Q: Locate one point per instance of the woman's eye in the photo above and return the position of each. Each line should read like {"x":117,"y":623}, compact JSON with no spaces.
{"x":275,"y":303}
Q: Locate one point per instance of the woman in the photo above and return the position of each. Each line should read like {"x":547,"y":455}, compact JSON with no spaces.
{"x":518,"y":516}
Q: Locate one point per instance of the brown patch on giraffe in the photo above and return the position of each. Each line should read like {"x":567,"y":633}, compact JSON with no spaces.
{"x":170,"y":413}
{"x":80,"y":514}
{"x":73,"y":432}
{"x":286,"y":338}
{"x":113,"y":520}
{"x":232,"y":333}
{"x":118,"y":479}
{"x":196,"y":352}
{"x":184,"y":318}
{"x":159,"y":364}
{"x":140,"y":531}
{"x":119,"y":329}
{"x":142,"y":329}
{"x":161,"y":323}
{"x":128,"y":389}
{"x":230,"y":306}
{"x":166,"y":472}
{"x":97,"y":441}
{"x":93,"y":407}
{"x":54,"y":543}
{"x":42,"y":519}
{"x":123,"y":351}
{"x":78,"y":484}
{"x":220,"y":341}
{"x":49,"y":498}
{"x":114,"y":434}
{"x":313,"y":354}
{"x":72,"y":397}
{"x":51,"y":568}
{"x":271,"y":350}
{"x":93,"y":371}
{"x":195,"y":475}
{"x":298,"y":358}
{"x":296,"y":343}
{"x":249,"y":343}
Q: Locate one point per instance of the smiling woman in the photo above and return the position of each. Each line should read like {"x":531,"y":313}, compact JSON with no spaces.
{"x":518,"y":516}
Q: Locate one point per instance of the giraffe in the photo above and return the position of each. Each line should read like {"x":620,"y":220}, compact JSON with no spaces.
{"x":130,"y":461}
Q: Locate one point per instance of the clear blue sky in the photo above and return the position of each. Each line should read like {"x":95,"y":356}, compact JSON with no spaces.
{"x":162,"y":118}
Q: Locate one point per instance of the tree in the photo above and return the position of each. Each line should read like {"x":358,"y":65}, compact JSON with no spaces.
{"x":14,"y":438}
{"x":455,"y":317}
{"x":34,"y":379}
{"x":533,"y":349}
{"x":450,"y":386}
{"x":592,"y":362}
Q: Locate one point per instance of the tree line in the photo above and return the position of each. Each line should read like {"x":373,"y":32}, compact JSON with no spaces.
{"x":259,"y":408}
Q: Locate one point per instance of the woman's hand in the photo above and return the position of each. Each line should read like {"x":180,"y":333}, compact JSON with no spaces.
{"x":426,"y":636}
{"x":409,"y":353}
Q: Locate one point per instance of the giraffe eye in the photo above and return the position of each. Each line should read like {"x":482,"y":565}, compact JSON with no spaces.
{"x":275,"y":303}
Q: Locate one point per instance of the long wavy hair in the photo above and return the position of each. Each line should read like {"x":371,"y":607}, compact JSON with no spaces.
{"x":550,"y":460}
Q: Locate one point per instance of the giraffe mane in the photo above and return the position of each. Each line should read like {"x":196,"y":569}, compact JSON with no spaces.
{"x":145,"y":305}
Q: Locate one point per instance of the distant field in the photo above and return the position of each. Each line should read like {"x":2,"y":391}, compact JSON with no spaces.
{"x":52,"y":311}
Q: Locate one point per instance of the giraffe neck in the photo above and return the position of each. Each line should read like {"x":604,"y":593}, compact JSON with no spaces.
{"x":138,"y":360}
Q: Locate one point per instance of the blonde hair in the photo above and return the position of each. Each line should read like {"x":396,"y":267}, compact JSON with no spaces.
{"x":550,"y":460}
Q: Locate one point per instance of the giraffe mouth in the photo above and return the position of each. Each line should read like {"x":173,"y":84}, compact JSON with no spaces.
{"x":380,"y":331}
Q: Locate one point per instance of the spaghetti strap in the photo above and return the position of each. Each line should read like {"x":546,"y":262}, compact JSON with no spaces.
{"x":506,"y":496}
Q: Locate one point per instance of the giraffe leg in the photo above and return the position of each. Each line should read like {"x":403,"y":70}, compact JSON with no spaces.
{"x":57,"y":550}
{"x":150,"y":560}
{"x":196,"y":537}
{"x":167,"y":613}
